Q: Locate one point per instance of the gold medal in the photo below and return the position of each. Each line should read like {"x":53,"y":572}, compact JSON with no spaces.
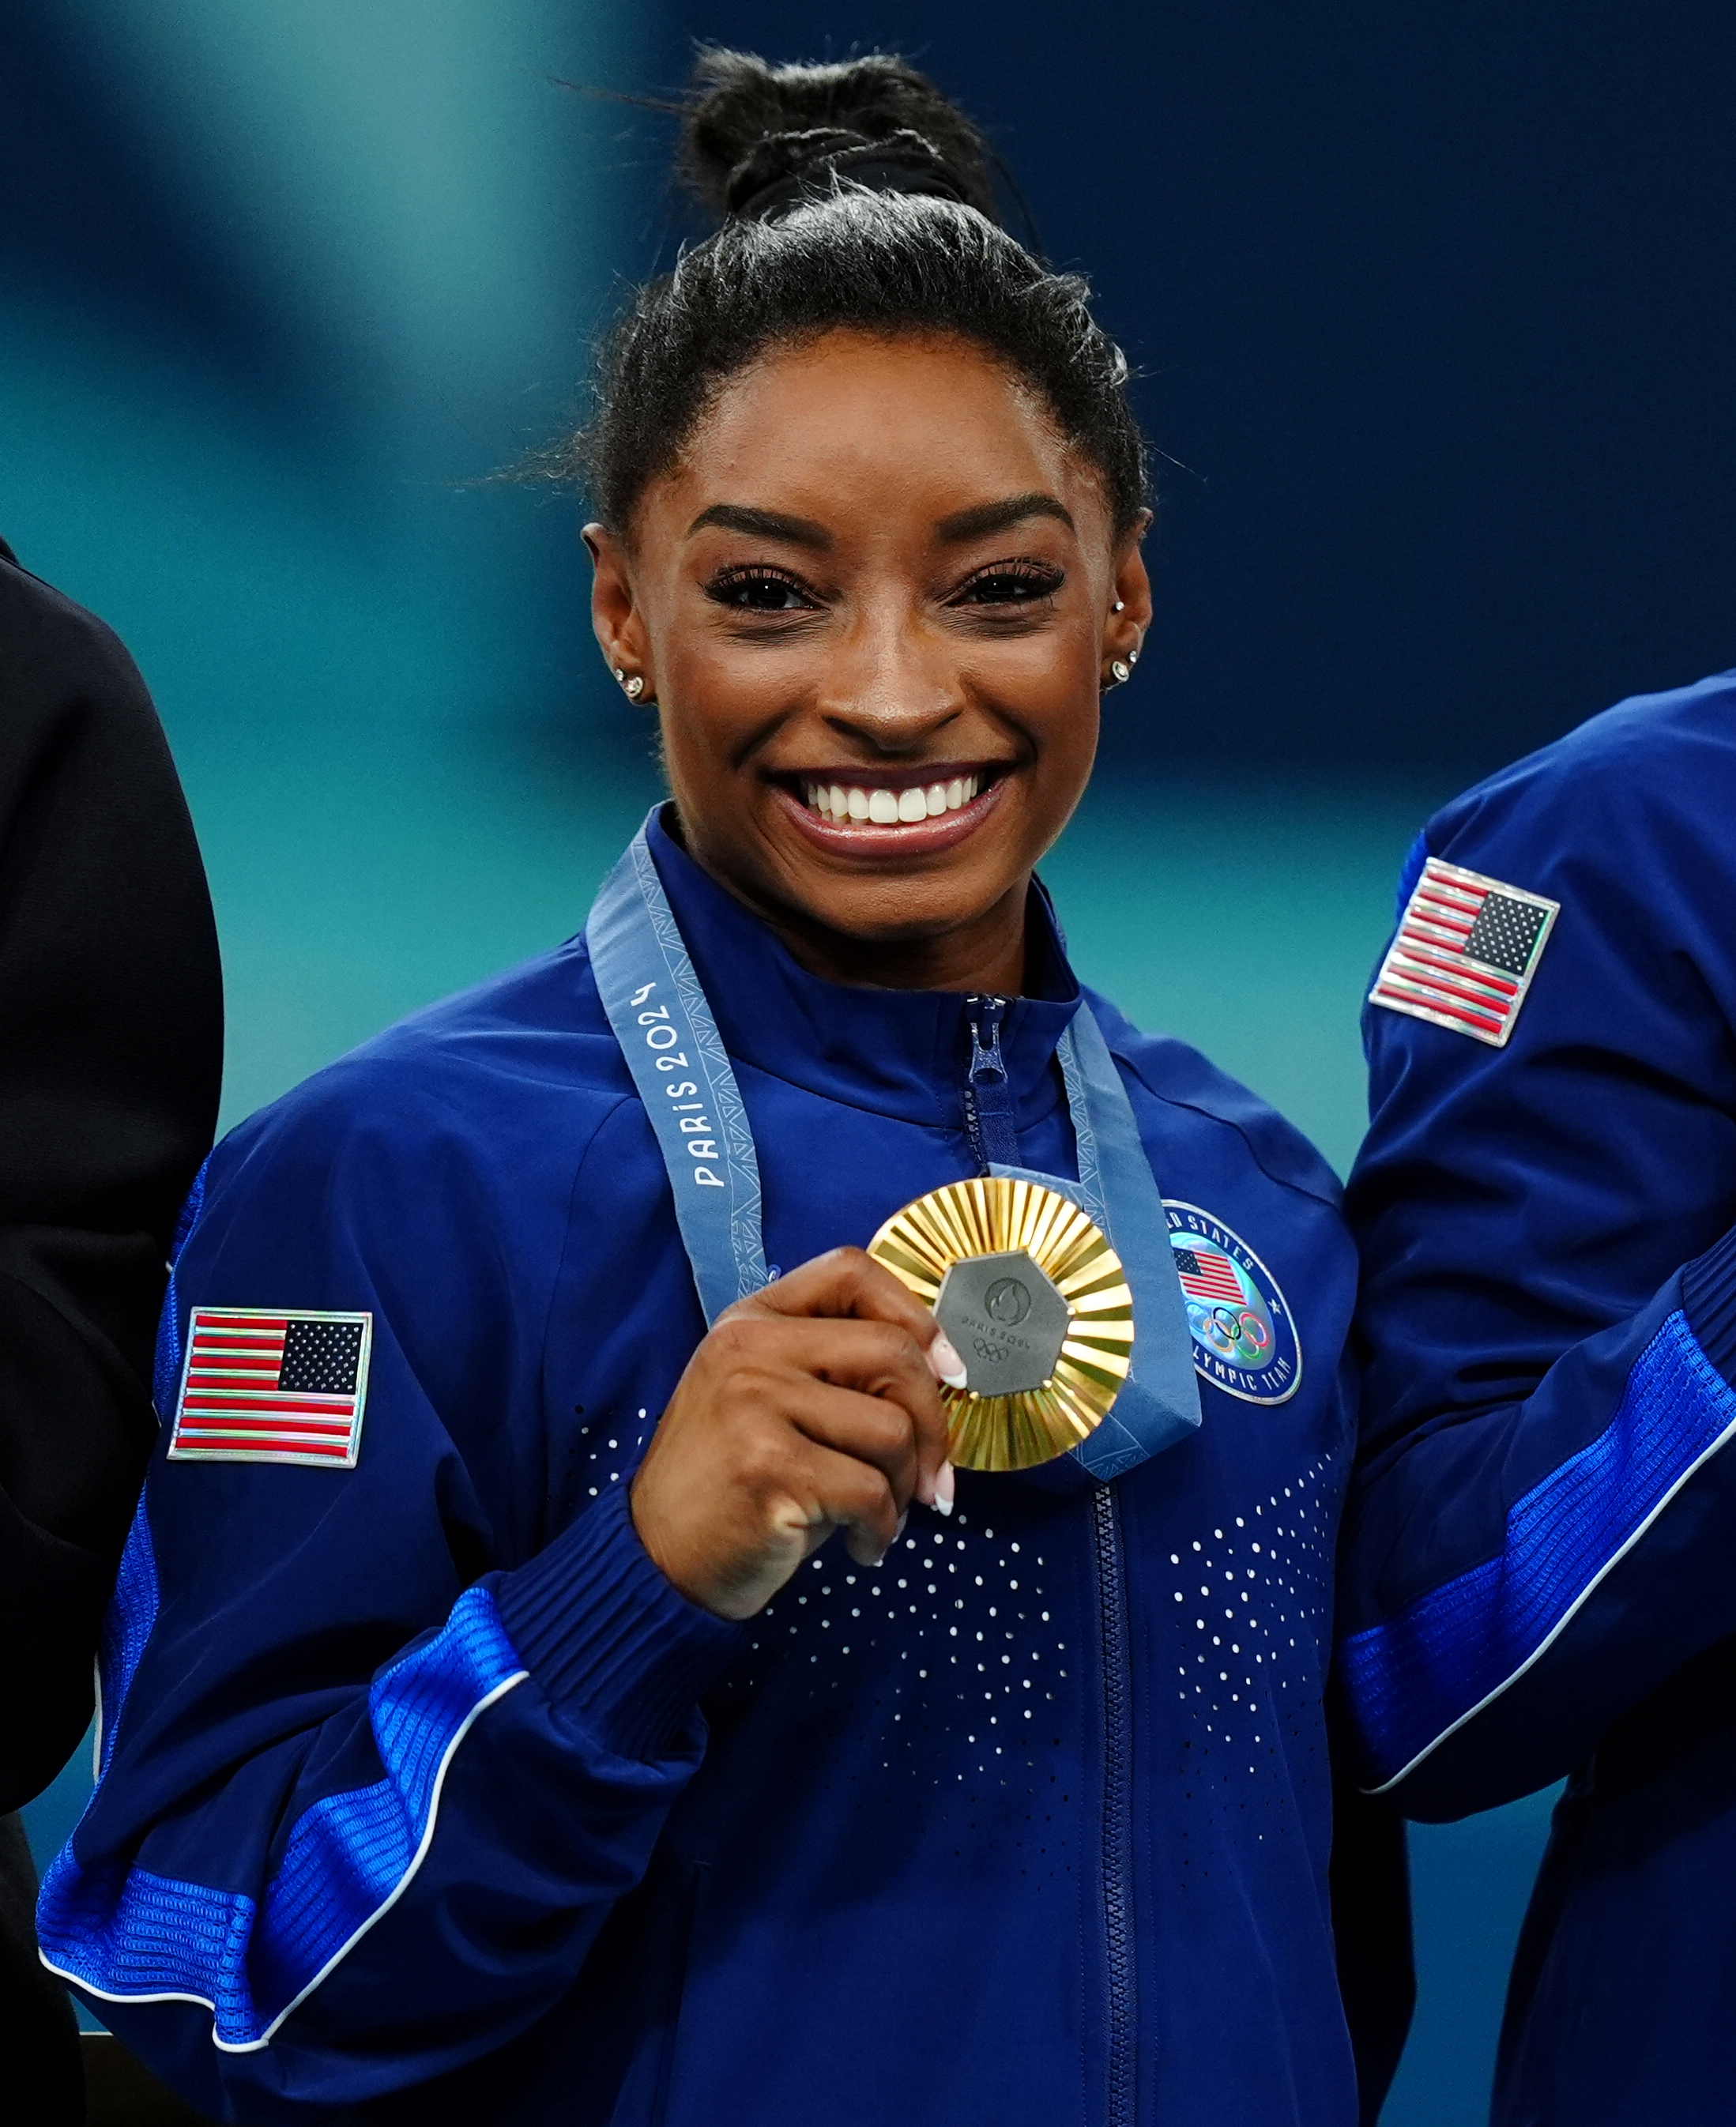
{"x":1036,"y":1304}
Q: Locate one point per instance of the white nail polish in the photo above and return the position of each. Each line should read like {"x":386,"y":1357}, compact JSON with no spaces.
{"x":948,"y":1365}
{"x":945,"y":1487}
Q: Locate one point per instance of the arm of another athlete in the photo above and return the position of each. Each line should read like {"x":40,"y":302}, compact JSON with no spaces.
{"x":1539,"y":1528}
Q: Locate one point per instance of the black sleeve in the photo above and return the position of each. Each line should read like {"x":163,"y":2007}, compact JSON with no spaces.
{"x":111,"y":1055}
{"x":1370,"y":1880}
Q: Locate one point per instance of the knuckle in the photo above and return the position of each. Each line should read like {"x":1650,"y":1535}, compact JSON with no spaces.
{"x":874,"y":1492}
{"x":735,"y":1339}
{"x":896,"y":1349}
{"x":886,"y":1425}
{"x":762,"y":1460}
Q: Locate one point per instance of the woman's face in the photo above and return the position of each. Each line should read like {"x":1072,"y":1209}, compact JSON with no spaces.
{"x":875,"y":604}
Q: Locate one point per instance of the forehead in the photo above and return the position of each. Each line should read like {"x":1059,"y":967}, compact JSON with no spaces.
{"x":923,"y":426}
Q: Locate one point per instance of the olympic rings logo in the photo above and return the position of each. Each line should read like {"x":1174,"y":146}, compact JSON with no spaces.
{"x":1238,"y":1333}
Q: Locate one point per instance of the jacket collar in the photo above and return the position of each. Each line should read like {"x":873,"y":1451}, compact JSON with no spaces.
{"x":903,"y":1053}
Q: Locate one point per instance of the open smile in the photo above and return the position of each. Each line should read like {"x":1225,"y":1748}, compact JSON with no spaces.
{"x":886,"y":804}
{"x":900,"y":811}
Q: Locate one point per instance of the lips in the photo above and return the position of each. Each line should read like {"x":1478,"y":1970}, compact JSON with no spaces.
{"x":892,"y":814}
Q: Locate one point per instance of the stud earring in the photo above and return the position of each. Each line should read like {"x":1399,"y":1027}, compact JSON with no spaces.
{"x":1119,"y":606}
{"x":1133,"y":657}
{"x":620,"y":677}
{"x":1122,"y":673}
{"x":635,"y":688}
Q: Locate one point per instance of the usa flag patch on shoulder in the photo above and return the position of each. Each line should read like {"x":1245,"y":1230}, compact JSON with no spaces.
{"x":264,"y":1386}
{"x":1466,"y":950}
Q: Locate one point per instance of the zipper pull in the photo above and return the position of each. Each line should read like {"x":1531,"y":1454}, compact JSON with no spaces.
{"x":989,"y":1117}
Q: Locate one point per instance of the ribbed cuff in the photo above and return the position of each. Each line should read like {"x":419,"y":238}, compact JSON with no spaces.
{"x":607,"y":1637}
{"x":1709,"y":1300}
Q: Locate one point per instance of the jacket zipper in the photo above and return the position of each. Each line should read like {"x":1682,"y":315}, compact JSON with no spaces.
{"x":1116,"y":1865}
{"x":989,"y":1123}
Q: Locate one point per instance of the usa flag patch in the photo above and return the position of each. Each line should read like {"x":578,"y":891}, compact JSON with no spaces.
{"x":1465,"y":953}
{"x":261,"y":1386}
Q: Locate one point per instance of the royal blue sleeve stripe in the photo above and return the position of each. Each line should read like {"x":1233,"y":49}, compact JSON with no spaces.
{"x":131,"y":1935}
{"x":351,"y":1856}
{"x":1418,"y":1678}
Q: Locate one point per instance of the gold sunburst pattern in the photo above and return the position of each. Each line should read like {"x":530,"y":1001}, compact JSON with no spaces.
{"x":991,"y":1215}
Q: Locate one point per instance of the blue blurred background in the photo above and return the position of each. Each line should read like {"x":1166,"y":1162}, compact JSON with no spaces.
{"x":1433,"y":310}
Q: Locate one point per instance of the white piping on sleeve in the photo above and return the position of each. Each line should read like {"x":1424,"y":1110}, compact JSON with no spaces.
{"x":1563,"y":1622}
{"x":403,"y":1884}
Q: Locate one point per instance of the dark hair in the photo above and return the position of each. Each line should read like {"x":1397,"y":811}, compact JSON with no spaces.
{"x":854,"y":196}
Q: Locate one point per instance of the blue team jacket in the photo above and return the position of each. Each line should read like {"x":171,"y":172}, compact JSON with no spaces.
{"x":1540,"y":1554}
{"x":425,"y":1798}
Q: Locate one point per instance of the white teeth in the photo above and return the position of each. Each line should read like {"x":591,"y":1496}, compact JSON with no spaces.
{"x":835,"y":801}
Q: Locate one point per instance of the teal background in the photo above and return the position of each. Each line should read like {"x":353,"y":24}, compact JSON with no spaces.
{"x":1432,"y":314}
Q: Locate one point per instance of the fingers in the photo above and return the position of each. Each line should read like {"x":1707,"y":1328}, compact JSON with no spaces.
{"x":853,"y":1495}
{"x":848,"y":1284}
{"x":881,"y":1362}
{"x":872,"y":1429}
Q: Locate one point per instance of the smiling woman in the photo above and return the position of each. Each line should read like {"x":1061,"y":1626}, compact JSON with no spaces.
{"x":912,"y":600}
{"x":565,"y":1668}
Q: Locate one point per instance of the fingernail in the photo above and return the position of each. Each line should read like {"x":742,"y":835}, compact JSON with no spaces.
{"x":943,"y":1488}
{"x":946,"y":1362}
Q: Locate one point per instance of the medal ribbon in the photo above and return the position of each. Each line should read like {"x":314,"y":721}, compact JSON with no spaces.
{"x":661,"y":1019}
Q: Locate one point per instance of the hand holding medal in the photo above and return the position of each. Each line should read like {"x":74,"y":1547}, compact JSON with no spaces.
{"x":812,"y":1405}
{"x":829,"y":1400}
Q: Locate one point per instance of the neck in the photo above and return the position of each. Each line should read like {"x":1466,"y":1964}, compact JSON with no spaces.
{"x":985,"y":954}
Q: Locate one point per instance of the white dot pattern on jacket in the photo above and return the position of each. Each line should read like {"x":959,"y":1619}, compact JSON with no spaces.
{"x":966,"y":1669}
{"x":1251,"y":1600}
{"x":965,"y":1611}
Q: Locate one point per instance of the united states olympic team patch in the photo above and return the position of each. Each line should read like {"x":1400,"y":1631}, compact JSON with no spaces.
{"x":1244,"y":1339}
{"x":261,"y":1385}
{"x":1465,"y":951}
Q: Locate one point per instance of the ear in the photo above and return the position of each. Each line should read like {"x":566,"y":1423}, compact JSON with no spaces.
{"x":614,"y":613}
{"x":1128,"y":621}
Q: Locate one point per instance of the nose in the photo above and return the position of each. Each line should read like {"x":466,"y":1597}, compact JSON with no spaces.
{"x":890,"y":685}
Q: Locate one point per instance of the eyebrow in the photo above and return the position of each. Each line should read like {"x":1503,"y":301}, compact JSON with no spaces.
{"x":764,"y":524}
{"x":996,"y":516}
{"x":963,"y":524}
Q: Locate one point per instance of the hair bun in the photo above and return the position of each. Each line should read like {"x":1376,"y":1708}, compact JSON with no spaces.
{"x":751,"y":127}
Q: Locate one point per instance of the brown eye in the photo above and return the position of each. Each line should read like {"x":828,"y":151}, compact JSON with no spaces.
{"x":1012,"y":584}
{"x":759,"y":590}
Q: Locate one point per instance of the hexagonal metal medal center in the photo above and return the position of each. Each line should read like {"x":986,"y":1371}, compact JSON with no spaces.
{"x":1007,"y":1320}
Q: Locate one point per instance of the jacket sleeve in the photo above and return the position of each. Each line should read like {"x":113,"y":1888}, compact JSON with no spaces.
{"x":378,"y":1757}
{"x":111,"y":1007}
{"x":1541,"y":1522}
